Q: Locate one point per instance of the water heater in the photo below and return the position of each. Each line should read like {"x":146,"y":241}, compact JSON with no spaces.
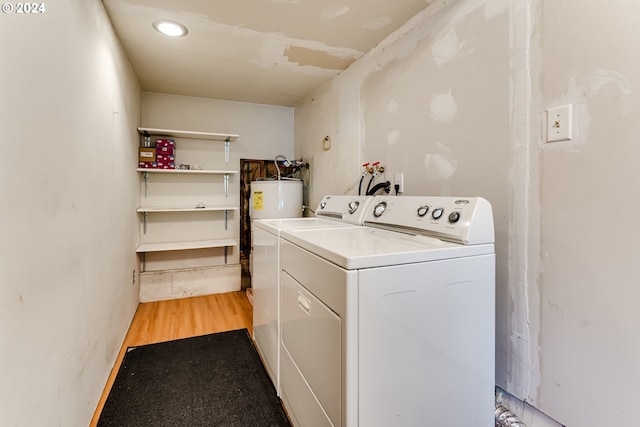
{"x":276,"y":199}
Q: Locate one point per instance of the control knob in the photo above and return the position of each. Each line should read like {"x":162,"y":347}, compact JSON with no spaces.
{"x":379,"y":209}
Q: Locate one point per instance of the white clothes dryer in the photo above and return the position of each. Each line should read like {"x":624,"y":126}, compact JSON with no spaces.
{"x":337,"y":211}
{"x":392,"y":323}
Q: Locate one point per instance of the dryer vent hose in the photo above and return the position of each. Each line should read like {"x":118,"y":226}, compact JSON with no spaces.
{"x":506,"y":418}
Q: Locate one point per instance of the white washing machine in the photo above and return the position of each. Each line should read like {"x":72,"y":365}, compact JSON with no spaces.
{"x":392,"y":323}
{"x":332,"y":212}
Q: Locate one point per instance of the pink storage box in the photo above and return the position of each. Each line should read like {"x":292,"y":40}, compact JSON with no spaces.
{"x":166,"y":151}
{"x":167,"y":158}
{"x":165,"y":143}
{"x":166,"y":165}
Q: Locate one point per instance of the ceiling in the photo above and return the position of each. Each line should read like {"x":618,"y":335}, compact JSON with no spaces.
{"x":262,"y":51}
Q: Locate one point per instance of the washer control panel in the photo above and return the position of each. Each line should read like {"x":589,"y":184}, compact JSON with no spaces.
{"x":346,"y":208}
{"x":467,"y":220}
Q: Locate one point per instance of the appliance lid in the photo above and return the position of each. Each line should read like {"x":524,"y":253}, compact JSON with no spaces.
{"x":275,"y":226}
{"x":368,"y":247}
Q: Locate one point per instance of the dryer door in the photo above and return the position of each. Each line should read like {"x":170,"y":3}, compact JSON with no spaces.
{"x":311,"y":356}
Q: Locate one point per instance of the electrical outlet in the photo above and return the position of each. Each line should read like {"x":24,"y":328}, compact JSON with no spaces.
{"x":559,"y":123}
{"x":399,"y":182}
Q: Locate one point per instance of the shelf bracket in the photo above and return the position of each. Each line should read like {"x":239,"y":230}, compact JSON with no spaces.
{"x":226,"y":185}
{"x":143,"y":261}
{"x":226,"y":251}
{"x":226,"y":218}
{"x":145,"y":176}
{"x":144,"y":222}
{"x":227,"y":146}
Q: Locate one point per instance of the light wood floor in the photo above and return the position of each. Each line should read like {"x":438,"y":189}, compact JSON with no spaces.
{"x":182,"y":318}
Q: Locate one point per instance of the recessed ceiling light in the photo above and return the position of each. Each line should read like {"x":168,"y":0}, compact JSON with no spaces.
{"x":170,"y":28}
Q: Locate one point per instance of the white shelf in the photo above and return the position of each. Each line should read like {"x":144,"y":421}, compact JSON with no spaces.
{"x":181,"y":246}
{"x":185,"y":209}
{"x":188,"y":171}
{"x":189,"y":134}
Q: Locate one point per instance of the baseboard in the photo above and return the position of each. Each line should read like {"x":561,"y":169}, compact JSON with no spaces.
{"x":190,"y":282}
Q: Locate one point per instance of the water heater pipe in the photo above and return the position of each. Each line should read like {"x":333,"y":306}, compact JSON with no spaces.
{"x":275,"y":161}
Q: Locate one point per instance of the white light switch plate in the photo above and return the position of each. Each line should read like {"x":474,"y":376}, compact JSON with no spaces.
{"x":559,"y":123}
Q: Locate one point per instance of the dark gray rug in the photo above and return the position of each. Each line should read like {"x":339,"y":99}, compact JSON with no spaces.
{"x":211,"y":380}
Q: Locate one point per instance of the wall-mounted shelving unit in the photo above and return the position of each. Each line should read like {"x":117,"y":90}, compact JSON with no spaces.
{"x":180,"y":246}
{"x":224,"y":173}
{"x":179,"y":219}
{"x":188,"y":134}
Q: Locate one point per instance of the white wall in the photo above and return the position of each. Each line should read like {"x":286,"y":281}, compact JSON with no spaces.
{"x":68,"y":112}
{"x":265,"y":130}
{"x":589,"y":286}
{"x":456,"y":101}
